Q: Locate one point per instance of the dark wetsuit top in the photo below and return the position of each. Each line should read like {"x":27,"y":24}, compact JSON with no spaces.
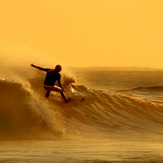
{"x":51,"y":78}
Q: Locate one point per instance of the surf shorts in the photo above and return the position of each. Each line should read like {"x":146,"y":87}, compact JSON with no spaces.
{"x":53,"y":88}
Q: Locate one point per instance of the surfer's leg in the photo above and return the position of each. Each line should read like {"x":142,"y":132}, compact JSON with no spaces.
{"x":47,"y":93}
{"x":56,"y":89}
{"x":63,"y":96}
{"x":52,"y":88}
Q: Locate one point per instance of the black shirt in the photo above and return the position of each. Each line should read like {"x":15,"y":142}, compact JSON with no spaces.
{"x":51,"y":78}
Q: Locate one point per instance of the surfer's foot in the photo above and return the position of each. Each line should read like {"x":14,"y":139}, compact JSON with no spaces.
{"x":69,"y":99}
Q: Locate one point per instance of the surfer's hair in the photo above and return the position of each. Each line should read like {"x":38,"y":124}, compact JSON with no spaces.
{"x":58,"y":68}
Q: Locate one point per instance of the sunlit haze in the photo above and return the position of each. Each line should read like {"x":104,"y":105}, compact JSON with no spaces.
{"x":87,"y":32}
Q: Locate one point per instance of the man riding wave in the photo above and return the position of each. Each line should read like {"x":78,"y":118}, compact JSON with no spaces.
{"x":52,"y":75}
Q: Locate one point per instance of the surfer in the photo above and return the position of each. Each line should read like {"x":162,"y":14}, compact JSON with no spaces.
{"x":52,"y":76}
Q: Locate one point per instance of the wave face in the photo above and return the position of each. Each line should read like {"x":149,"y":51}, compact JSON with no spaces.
{"x":26,"y":114}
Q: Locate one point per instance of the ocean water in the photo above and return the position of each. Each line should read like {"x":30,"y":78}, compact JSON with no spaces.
{"x":114,"y":116}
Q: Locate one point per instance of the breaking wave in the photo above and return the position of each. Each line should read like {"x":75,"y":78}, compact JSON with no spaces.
{"x":26,"y":114}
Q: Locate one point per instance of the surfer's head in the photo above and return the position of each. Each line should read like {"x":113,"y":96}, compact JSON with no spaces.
{"x":58,"y":68}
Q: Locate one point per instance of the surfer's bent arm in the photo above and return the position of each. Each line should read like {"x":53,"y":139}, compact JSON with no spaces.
{"x":40,"y":68}
{"x":59,"y":83}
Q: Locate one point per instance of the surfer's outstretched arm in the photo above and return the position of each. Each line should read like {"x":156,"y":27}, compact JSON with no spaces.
{"x":40,"y":68}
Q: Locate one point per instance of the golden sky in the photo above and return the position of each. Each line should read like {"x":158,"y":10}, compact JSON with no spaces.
{"x":88,"y":32}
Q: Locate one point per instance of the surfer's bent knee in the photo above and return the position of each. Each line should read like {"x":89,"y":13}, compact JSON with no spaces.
{"x":53,"y":88}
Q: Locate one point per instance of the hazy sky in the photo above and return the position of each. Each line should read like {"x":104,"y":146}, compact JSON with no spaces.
{"x":88,"y":32}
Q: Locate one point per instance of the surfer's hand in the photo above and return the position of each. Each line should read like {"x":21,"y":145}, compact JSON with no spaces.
{"x":32,"y":65}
